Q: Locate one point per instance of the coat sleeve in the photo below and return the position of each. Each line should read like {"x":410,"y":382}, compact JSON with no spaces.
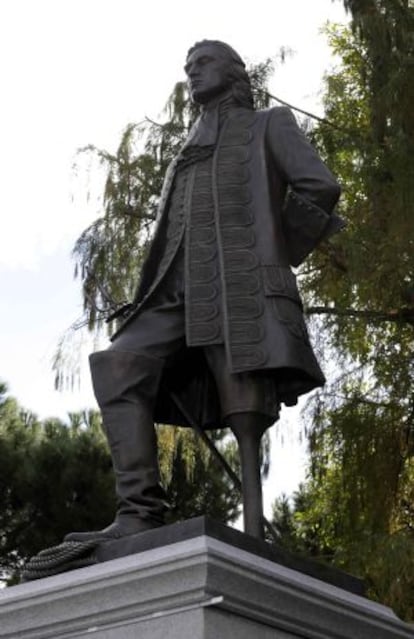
{"x":312,"y":189}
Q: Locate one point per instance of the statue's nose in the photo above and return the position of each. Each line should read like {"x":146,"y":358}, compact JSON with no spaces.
{"x":193,"y":73}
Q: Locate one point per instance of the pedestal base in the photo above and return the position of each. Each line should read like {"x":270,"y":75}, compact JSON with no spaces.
{"x":201,"y":587}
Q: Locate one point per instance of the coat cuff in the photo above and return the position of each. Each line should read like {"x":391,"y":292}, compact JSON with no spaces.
{"x":305,"y":225}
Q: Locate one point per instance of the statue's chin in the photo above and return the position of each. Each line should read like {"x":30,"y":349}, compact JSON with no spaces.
{"x":203,"y":97}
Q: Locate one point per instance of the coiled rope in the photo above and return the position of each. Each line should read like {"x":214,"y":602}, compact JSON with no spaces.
{"x":66,"y":556}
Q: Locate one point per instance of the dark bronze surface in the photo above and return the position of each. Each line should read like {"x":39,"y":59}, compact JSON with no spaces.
{"x":217,"y":319}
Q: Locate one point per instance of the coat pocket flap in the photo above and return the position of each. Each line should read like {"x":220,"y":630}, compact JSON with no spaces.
{"x":279,"y":280}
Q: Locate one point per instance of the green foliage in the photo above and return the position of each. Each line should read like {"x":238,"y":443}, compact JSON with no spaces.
{"x":358,"y":290}
{"x":57,"y":477}
{"x":53,"y":478}
{"x":111,"y":249}
{"x":314,"y":524}
{"x":305,"y":524}
{"x":370,"y":267}
{"x":386,"y":27}
{"x":195,"y":482}
{"x":362,"y":279}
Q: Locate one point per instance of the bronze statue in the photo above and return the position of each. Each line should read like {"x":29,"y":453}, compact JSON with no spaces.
{"x":217,"y":319}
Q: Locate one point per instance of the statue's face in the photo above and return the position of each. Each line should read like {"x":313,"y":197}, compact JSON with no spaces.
{"x":207,"y":72}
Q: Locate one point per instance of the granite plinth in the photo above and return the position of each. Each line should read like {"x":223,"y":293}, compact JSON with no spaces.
{"x":198,"y":526}
{"x":199,"y":588}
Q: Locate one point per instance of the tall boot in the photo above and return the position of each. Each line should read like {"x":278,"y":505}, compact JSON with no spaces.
{"x":248,"y":429}
{"x":125,"y":386}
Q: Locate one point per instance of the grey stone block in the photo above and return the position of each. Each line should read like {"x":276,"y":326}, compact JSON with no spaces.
{"x":200,"y":588}
{"x":199,"y":526}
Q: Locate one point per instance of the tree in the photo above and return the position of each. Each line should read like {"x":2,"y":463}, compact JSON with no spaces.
{"x":195,"y":482}
{"x":53,"y":478}
{"x":310,"y":525}
{"x":57,"y":477}
{"x":358,"y":293}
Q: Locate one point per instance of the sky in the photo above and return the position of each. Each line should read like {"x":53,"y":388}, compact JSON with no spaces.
{"x":76,"y":72}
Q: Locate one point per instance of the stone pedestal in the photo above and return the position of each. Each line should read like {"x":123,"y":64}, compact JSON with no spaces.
{"x":201,"y":587}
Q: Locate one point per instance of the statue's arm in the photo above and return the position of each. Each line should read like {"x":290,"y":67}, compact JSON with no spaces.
{"x":298,"y":161}
{"x":312,"y":189}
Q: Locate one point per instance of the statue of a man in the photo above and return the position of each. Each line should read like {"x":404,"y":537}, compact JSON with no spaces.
{"x":217,"y":319}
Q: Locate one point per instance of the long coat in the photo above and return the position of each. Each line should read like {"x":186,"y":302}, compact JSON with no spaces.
{"x":272,"y":199}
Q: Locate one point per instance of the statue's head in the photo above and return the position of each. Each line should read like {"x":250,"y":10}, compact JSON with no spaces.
{"x":212,"y":68}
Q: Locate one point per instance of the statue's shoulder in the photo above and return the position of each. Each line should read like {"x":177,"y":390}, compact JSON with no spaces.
{"x":276,"y":111}
{"x":280,"y":121}
{"x":269,"y":121}
{"x":280,"y":113}
{"x":275,"y":115}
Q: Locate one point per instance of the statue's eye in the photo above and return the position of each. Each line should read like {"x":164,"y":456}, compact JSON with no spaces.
{"x":199,"y":62}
